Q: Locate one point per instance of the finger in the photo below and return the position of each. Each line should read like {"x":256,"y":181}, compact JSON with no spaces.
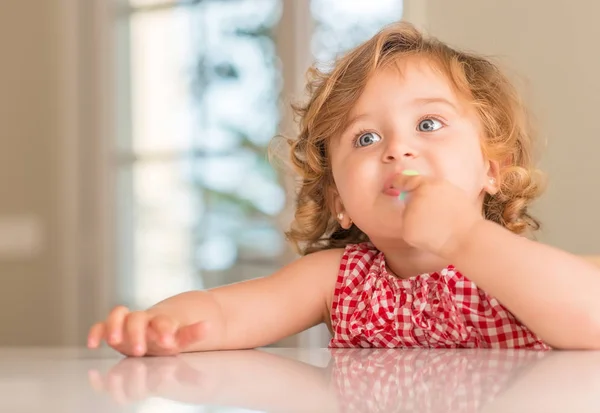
{"x":412,"y":182}
{"x":408,"y":181}
{"x":165,"y":328}
{"x":114,"y":325}
{"x":191,"y":334}
{"x":124,"y":366}
{"x":187,"y":374}
{"x":136,"y":387}
{"x":95,"y":335}
{"x":408,"y":184}
{"x":161,"y":372}
{"x":135,"y":332}
{"x":115,"y":386}
{"x":151,"y":336}
{"x":95,"y":381}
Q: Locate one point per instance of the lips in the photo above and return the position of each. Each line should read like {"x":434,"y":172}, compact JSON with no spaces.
{"x":388,"y":187}
{"x":392,"y":192}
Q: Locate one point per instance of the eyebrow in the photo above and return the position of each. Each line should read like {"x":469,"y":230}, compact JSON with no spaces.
{"x":419,"y":101}
{"x":427,"y":101}
{"x":354,"y":120}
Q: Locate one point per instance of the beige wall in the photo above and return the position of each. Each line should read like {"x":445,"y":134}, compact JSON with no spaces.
{"x":30,"y":285}
{"x":554,"y":47}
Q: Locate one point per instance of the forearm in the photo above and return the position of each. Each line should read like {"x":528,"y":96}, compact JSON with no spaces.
{"x":551,"y":291}
{"x":259,"y":380}
{"x":260,"y":311}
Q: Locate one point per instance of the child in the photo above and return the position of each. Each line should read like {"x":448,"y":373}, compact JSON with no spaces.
{"x":416,"y":174}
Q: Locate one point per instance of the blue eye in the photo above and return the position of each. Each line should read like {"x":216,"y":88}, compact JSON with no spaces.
{"x":367,"y":139}
{"x":429,"y":125}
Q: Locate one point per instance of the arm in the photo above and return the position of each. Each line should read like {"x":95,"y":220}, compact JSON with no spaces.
{"x":552,"y":384}
{"x":554,"y":293}
{"x":249,"y":379}
{"x":261,"y":311}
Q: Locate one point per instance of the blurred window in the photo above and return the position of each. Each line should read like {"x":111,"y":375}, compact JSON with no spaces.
{"x":198,"y":86}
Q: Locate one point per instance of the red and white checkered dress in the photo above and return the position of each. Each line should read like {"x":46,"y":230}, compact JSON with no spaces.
{"x":425,"y":380}
{"x":373,"y":308}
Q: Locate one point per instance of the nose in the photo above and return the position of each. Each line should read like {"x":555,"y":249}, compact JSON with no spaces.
{"x":398,"y":149}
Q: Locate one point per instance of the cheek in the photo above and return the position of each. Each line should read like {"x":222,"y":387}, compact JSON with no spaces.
{"x":355,"y":182}
{"x":353,"y":171}
{"x":466,"y":171}
{"x":347,"y":182}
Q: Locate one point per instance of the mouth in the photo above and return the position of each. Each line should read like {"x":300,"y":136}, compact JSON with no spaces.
{"x":388,"y":187}
{"x":392,"y":192}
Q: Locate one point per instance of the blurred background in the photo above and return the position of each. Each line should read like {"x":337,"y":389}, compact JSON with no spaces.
{"x":134,"y":136}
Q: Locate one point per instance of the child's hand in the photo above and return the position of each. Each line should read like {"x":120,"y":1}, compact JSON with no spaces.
{"x":142,"y":333}
{"x":438,"y":215}
{"x":135,"y":379}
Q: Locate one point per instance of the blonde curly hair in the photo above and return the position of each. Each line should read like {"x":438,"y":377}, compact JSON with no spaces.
{"x":507,"y":133}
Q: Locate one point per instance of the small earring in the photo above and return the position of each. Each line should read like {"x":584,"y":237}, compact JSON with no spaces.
{"x":492,"y":181}
{"x":340,"y":216}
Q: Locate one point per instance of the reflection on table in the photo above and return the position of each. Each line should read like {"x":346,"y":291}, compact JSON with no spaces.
{"x":362,"y":380}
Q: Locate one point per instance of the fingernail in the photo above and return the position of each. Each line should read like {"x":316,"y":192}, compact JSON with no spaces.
{"x":410,"y":172}
{"x":402,"y":196}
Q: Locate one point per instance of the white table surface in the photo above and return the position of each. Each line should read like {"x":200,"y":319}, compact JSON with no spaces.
{"x":300,"y":380}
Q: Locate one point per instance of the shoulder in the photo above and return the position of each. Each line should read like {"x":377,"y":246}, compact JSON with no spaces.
{"x":316,"y":273}
{"x":318,"y":268}
{"x":337,"y":259}
{"x":324,"y":262}
{"x":321,"y":269}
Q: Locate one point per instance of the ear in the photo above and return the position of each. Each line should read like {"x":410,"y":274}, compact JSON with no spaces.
{"x":491,"y":183}
{"x":338,"y":210}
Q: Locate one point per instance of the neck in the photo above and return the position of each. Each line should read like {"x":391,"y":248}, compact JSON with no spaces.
{"x":404,"y":261}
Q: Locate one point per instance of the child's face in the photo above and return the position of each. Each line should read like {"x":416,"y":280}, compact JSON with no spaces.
{"x":407,"y":119}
